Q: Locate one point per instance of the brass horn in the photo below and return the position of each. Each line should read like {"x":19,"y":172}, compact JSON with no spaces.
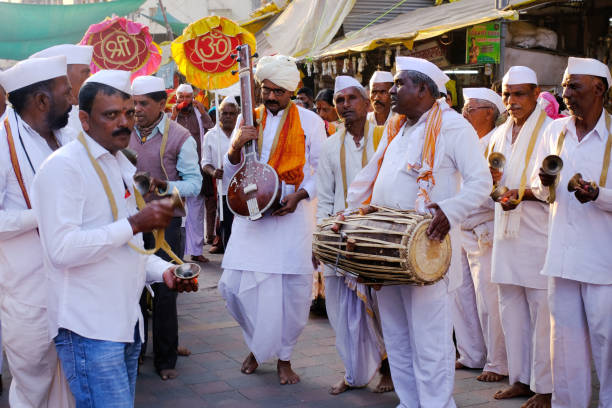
{"x":497,"y":160}
{"x":187,"y":271}
{"x":578,"y":183}
{"x":498,"y":192}
{"x":552,"y":165}
{"x":142,"y":182}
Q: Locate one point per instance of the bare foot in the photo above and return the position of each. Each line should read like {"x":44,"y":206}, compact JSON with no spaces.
{"x":183,"y":351}
{"x":339,"y":387}
{"x":517,"y":389}
{"x":168,"y":374}
{"x":285,"y":374}
{"x":199,"y":258}
{"x":249,"y":365}
{"x":489,"y":376}
{"x":458,"y":365}
{"x":385,"y":384}
{"x":538,"y":401}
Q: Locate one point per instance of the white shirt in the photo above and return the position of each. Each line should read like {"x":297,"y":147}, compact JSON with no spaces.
{"x":330,"y":188}
{"x":74,"y":122}
{"x":275,"y":244}
{"x":94,"y":278}
{"x":519,"y":261}
{"x":21,"y":264}
{"x":579,"y":234}
{"x":372,"y":118}
{"x":215,"y":146}
{"x":396,"y":186}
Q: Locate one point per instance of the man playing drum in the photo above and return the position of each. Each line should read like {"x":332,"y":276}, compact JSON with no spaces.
{"x":578,"y":257}
{"x":519,"y":243}
{"x":478,"y":330}
{"x":270,"y":295}
{"x":422,"y":154}
{"x":351,"y":306}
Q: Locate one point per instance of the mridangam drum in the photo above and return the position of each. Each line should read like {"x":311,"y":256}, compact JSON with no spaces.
{"x":385,"y":247}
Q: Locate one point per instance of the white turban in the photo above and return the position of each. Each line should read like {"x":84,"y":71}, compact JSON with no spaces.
{"x":279,"y":69}
{"x":184,"y":88}
{"x":485,"y":94}
{"x":588,"y":66}
{"x":518,"y":74}
{"x":345,"y":81}
{"x":381,"y":77}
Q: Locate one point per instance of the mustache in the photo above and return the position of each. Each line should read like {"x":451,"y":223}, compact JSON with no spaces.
{"x":270,"y":102}
{"x":379,"y":103}
{"x":123,"y":131}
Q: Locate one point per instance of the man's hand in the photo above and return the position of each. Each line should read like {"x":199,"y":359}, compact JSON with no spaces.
{"x":156,"y":215}
{"x":496,"y":175}
{"x":290,"y":202}
{"x":547,"y":180}
{"x":199,"y":106}
{"x":509,"y":200}
{"x":156,"y":183}
{"x":440,"y":225}
{"x":586,"y":193}
{"x":174,"y":114}
{"x":218,"y":173}
{"x":245,"y":134}
{"x":180,"y":285}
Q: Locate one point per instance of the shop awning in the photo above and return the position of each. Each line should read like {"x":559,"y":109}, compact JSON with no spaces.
{"x":260,"y":17}
{"x":419,"y":24}
{"x":303,"y":26}
{"x":176,"y":25}
{"x":28,"y":28}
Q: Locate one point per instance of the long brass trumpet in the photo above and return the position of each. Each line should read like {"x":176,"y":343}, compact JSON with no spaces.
{"x":497,"y":161}
{"x":552,"y":165}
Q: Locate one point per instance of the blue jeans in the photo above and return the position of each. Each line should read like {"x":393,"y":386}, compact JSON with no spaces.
{"x":100,"y":373}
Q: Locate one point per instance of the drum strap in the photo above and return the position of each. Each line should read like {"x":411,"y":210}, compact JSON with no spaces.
{"x":603,"y":178}
{"x":15,"y":163}
{"x":160,"y":241}
{"x":364,"y":156}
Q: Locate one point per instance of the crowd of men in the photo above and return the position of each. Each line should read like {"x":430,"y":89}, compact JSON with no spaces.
{"x":526,"y":293}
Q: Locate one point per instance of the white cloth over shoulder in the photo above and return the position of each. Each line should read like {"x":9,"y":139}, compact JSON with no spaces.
{"x":275,"y":244}
{"x":94,"y":278}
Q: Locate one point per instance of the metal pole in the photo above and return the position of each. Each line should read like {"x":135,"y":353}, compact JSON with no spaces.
{"x":168,"y":29}
{"x":219,"y":159}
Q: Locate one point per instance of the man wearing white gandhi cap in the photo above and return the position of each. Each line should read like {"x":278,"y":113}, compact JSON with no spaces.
{"x":351,"y":306}
{"x":519,"y":242}
{"x":78,"y":58}
{"x":380,"y":83}
{"x":424,"y":151}
{"x":93,"y":248}
{"x":480,"y":340}
{"x":39,"y":91}
{"x":578,"y":258}
{"x":270,"y":295}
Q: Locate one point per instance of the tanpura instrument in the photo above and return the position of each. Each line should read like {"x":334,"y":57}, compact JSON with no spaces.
{"x":255,"y":188}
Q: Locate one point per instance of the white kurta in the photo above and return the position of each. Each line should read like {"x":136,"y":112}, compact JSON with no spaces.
{"x":516,"y":266}
{"x":267,"y":276}
{"x":74,"y":123}
{"x":350,"y":305}
{"x":94,"y":278}
{"x":372,"y":118}
{"x":578,"y":261}
{"x":416,"y":321}
{"x":215,"y":146}
{"x":36,"y":379}
{"x":477,"y":238}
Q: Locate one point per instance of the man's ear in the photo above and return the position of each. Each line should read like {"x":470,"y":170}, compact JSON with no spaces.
{"x":42,"y":101}
{"x":84,"y":118}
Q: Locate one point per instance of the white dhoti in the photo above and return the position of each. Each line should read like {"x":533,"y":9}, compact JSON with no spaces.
{"x":525,"y":319}
{"x":487,"y":304}
{"x":38,"y":380}
{"x":194,"y":225}
{"x":272,"y":309}
{"x":417,"y":328}
{"x":468,"y":333}
{"x":358,"y":334}
{"x":581,"y":325}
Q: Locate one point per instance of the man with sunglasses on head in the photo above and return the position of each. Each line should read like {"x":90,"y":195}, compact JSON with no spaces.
{"x":267,"y":277}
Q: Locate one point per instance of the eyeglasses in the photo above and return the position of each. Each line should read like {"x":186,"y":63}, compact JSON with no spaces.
{"x":277,"y":91}
{"x":468,"y":111}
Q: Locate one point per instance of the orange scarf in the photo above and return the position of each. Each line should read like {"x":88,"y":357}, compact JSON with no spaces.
{"x":288,"y":154}
{"x":426,"y":179}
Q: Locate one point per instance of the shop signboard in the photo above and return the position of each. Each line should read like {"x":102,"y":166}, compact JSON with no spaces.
{"x":483,"y":43}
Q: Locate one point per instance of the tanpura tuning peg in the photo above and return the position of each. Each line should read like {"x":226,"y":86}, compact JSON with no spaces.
{"x":234,"y":72}
{"x":238,"y":60}
{"x":238,"y":48}
{"x":233,"y":56}
{"x":256,"y":55}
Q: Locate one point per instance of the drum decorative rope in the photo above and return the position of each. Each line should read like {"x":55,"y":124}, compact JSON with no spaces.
{"x":387,"y":246}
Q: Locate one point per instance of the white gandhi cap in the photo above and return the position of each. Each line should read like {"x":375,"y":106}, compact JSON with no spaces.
{"x":381,"y":77}
{"x":228,"y":100}
{"x":184,"y":88}
{"x":147,"y":84}
{"x":588,"y":66}
{"x":31,"y":71}
{"x":484,"y":94}
{"x":425,"y":67}
{"x":75,"y":54}
{"x":120,"y":80}
{"x":519,"y":74}
{"x":344,"y":81}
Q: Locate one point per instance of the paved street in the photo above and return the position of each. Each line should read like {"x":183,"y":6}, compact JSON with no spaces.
{"x":211,"y":376}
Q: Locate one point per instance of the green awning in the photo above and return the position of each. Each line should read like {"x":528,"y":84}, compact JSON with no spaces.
{"x":28,"y":28}
{"x":176,"y":25}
